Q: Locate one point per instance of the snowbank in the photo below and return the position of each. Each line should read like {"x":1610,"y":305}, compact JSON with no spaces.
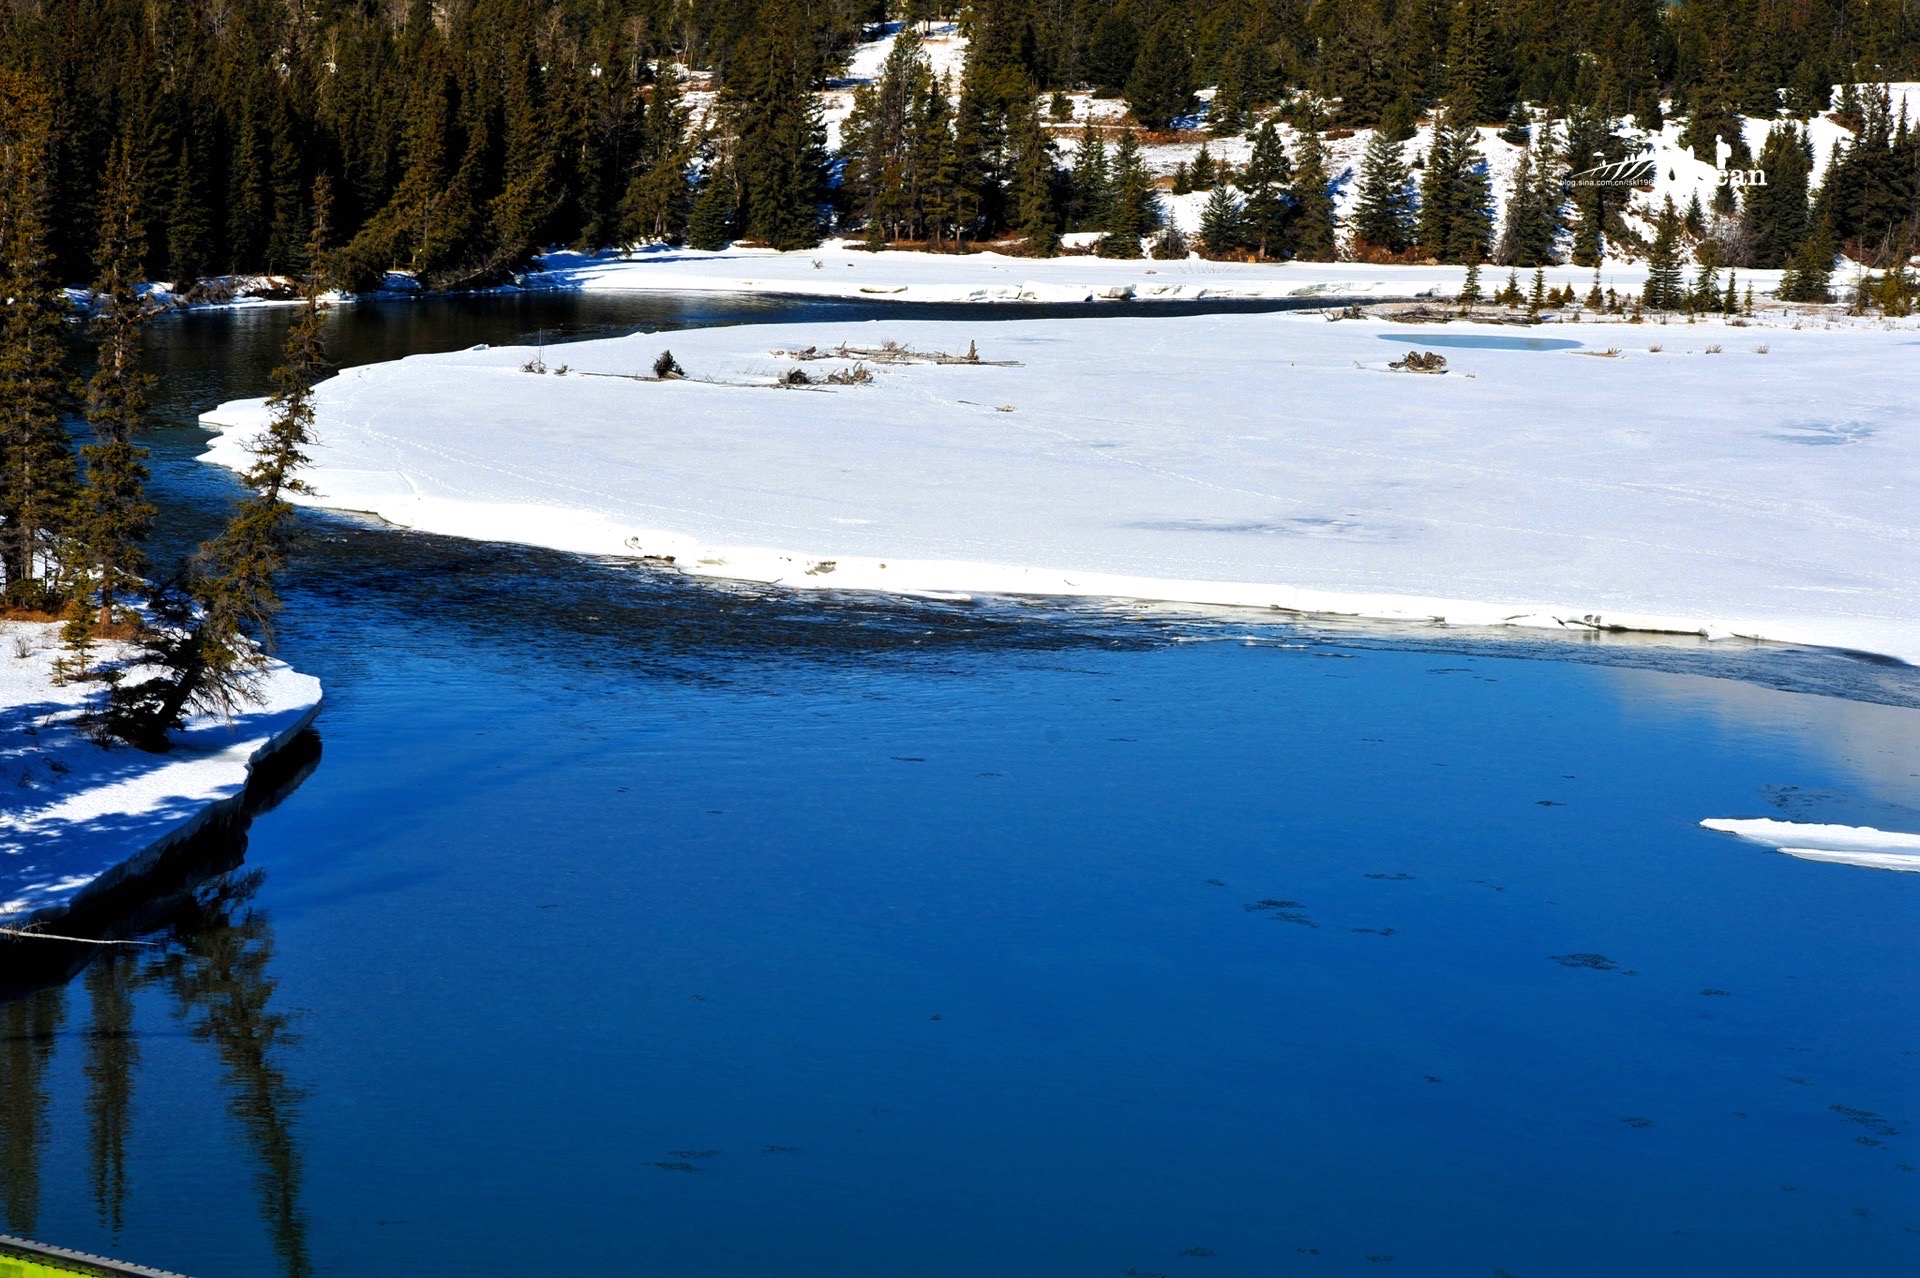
{"x":1261,"y":460}
{"x":79,"y":819}
{"x":1840,"y":844}
{"x":840,"y":269}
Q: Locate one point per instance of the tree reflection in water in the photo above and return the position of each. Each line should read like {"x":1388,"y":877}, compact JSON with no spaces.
{"x":31,"y":1027}
{"x":113,"y":1056}
{"x":214,"y":972}
{"x":216,"y":968}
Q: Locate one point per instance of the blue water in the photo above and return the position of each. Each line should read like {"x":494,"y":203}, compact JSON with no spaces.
{"x":1484,"y":341}
{"x":630,"y":926}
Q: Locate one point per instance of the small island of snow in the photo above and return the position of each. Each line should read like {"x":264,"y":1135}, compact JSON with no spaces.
{"x":1701,"y":478}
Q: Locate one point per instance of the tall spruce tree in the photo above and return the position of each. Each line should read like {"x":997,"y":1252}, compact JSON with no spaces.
{"x":114,"y":516}
{"x":1134,"y":210}
{"x":36,"y":460}
{"x":211,"y":637}
{"x":779,"y":159}
{"x":1035,"y":174}
{"x":1384,"y":204}
{"x":1777,"y":214}
{"x":659,"y":197}
{"x":1161,"y":85}
{"x":1455,"y":219}
{"x":1532,"y":218}
{"x":1089,"y":183}
{"x":1220,"y":232}
{"x":1665,"y":290}
{"x":1264,"y":183}
{"x":1314,"y":225}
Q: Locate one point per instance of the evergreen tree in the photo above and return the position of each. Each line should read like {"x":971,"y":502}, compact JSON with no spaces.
{"x":659,"y":199}
{"x":36,"y":461}
{"x":1160,"y":87}
{"x":188,"y":252}
{"x":1810,"y":271}
{"x":1035,"y":174}
{"x":1777,"y":214}
{"x":114,"y":516}
{"x":210,"y":641}
{"x":1264,"y":215}
{"x":1202,"y":175}
{"x":1706,"y":281}
{"x":710,"y":226}
{"x":779,"y":156}
{"x":1220,"y":230}
{"x":1313,"y":213}
{"x":1665,"y":290}
{"x":1111,"y":48}
{"x":1090,"y":184}
{"x":1455,"y":219}
{"x":1519,"y":127}
{"x":1384,"y":204}
{"x":1135,"y":209}
{"x":1532,"y":221}
{"x":1472,"y":91}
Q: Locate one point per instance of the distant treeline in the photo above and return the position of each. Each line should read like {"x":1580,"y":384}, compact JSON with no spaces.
{"x":461,"y":134}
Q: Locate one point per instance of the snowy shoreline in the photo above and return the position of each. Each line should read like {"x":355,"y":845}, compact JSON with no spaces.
{"x":85,"y":821}
{"x":1267,"y":461}
{"x":843,"y":270}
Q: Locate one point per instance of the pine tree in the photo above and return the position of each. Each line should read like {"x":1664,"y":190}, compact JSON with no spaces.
{"x":210,"y":640}
{"x":1160,"y":87}
{"x":1384,"y":205}
{"x":1090,"y":184}
{"x":1265,"y":213}
{"x":36,"y":461}
{"x":1313,"y":213}
{"x":1665,"y":290}
{"x":779,"y":158}
{"x":1220,"y":222}
{"x":1532,"y":222}
{"x":187,"y":230}
{"x":710,"y":226}
{"x":1777,"y":214}
{"x":114,"y":516}
{"x":1202,"y":175}
{"x":1455,"y":219}
{"x":659,"y":199}
{"x":1034,"y":177}
{"x":1706,"y":282}
{"x":1519,"y":126}
{"x":1471,"y":92}
{"x":1470,"y":287}
{"x":1810,"y":271}
{"x":1135,"y":211}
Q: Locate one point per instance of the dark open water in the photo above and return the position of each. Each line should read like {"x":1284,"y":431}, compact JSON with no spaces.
{"x":632,"y":927}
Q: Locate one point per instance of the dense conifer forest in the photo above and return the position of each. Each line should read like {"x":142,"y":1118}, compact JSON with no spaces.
{"x":461,"y":134}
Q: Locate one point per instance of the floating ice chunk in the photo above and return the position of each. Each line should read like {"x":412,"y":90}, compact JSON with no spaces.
{"x":1841,"y":844}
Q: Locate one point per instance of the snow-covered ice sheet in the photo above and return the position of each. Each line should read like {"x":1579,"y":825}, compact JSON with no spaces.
{"x":74,"y":816}
{"x":1841,"y":844}
{"x":844,"y":270}
{"x":1263,"y":460}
